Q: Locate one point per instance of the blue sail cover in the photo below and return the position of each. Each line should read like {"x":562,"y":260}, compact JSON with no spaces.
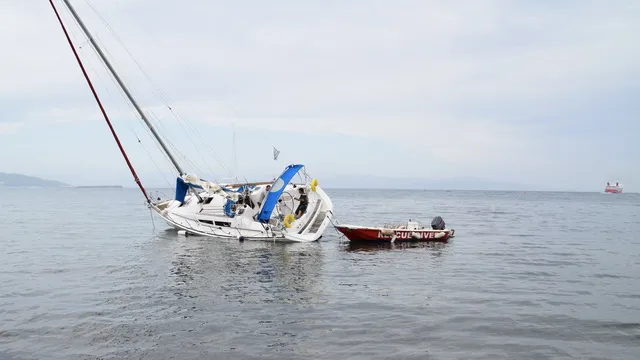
{"x":276,"y":190}
{"x":182,"y":188}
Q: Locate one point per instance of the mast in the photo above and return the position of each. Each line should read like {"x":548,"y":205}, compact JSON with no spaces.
{"x":104,"y":113}
{"x":124,"y":88}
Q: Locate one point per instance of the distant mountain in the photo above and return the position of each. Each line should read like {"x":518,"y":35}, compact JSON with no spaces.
{"x":19,"y":180}
{"x":388,"y":182}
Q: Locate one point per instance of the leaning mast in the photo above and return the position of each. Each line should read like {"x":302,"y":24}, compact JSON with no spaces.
{"x":124,"y":88}
{"x":95,"y":94}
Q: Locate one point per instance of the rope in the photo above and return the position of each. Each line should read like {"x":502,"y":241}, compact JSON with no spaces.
{"x":152,"y":221}
{"x":331,"y":218}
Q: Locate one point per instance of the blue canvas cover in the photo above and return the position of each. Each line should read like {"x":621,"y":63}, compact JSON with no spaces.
{"x":276,"y":191}
{"x":182,"y":188}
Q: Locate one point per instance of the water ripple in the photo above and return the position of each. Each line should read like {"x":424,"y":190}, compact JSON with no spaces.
{"x":529,"y":276}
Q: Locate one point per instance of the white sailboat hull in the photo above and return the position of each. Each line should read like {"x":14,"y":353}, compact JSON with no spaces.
{"x":208,"y":218}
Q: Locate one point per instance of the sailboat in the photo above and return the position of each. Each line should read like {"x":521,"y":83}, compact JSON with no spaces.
{"x":278,"y":210}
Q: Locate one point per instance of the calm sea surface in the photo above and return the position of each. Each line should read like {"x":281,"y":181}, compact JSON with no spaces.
{"x":87,"y":274}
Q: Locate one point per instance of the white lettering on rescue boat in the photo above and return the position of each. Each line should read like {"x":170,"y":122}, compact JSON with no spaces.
{"x":407,"y":235}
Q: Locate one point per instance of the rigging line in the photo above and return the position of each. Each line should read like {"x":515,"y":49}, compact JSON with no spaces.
{"x":193,"y":143}
{"x":95,"y":94}
{"x":121,"y":83}
{"x":180,"y":120}
{"x":135,"y":134}
{"x":216,"y":157}
{"x":129,"y":125}
{"x":96,"y":73}
{"x":155,"y":141}
{"x":106,"y":89}
{"x":157,"y":122}
{"x":133,"y":109}
{"x":132,"y":129}
{"x":197,"y":151}
{"x":220,"y":162}
{"x":185,"y":158}
{"x":157,"y":89}
{"x":132,"y":88}
{"x":161,"y":94}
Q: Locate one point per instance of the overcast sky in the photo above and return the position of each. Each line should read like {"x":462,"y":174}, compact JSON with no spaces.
{"x":536,"y":92}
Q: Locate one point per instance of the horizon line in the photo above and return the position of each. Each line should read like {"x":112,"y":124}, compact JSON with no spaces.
{"x":359,"y":188}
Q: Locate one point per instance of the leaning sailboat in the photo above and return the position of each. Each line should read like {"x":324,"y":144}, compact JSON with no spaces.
{"x":278,"y":210}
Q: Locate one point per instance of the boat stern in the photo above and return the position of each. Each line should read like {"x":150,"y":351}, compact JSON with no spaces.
{"x":312,"y":225}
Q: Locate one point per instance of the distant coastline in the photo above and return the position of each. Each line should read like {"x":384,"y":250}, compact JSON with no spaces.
{"x":26,"y":181}
{"x":19,"y":180}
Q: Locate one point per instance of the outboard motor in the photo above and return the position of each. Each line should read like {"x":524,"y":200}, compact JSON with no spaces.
{"x":437,"y":223}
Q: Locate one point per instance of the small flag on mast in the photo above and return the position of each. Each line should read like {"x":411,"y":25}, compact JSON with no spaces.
{"x":276,"y":152}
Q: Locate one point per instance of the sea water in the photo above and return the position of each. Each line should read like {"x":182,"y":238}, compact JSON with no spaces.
{"x":91,"y":274}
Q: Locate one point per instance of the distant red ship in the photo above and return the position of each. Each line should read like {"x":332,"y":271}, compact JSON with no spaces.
{"x":613,"y":189}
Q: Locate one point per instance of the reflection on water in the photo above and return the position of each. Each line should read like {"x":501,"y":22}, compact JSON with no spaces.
{"x":247,"y":272}
{"x":434,"y":248}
